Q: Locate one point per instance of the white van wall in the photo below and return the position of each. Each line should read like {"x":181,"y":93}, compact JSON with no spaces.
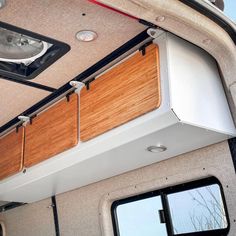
{"x":86,"y":211}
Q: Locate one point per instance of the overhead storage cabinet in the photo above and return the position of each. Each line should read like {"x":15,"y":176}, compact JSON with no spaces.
{"x":51,"y":132}
{"x":121,"y":94}
{"x":11,"y":153}
{"x":172,"y":96}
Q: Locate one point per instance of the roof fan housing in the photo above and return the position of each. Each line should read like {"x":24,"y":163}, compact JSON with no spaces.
{"x":24,"y":54}
{"x":18,"y":48}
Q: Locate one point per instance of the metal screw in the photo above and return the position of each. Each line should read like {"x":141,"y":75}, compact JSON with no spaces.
{"x":160,"y":18}
{"x":50,"y":206}
{"x":206,"y":41}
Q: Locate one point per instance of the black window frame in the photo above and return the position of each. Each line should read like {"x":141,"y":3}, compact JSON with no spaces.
{"x":164,"y":193}
{"x":63,"y":48}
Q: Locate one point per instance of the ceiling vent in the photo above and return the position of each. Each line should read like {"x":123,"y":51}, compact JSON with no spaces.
{"x":23,"y":54}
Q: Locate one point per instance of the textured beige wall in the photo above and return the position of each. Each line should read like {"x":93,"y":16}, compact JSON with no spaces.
{"x":33,"y":219}
{"x":86,"y":211}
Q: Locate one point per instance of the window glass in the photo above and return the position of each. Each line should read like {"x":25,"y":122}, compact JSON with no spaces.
{"x":194,"y":208}
{"x":141,"y":218}
{"x":230,"y":9}
{"x":199,"y":209}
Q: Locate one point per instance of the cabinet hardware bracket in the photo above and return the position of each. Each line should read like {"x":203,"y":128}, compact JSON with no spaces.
{"x":87,"y":83}
{"x":142,"y":49}
{"x":25,"y":120}
{"x":154,"y":32}
{"x":68,"y":96}
{"x":17,"y":128}
{"x":77,"y":85}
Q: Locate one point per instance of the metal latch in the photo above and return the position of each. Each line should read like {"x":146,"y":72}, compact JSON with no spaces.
{"x":162,"y":216}
{"x":25,"y":120}
{"x":77,"y":85}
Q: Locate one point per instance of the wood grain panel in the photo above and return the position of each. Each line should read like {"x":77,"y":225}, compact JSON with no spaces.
{"x":129,"y":90}
{"x":11,"y":153}
{"x":52,"y":132}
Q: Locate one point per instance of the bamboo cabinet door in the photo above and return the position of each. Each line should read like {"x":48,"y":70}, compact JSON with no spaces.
{"x":11,"y":154}
{"x":51,"y":132}
{"x":129,"y":90}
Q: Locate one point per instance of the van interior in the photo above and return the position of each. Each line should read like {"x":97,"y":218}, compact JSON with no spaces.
{"x":117,"y":118}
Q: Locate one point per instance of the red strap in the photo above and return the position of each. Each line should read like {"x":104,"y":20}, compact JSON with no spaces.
{"x":103,"y":5}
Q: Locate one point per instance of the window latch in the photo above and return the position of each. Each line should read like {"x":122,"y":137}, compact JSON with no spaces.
{"x":162,"y":216}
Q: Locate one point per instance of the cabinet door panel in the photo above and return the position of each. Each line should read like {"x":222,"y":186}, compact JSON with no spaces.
{"x":11,"y":154}
{"x":51,"y":132}
{"x":128,"y":90}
